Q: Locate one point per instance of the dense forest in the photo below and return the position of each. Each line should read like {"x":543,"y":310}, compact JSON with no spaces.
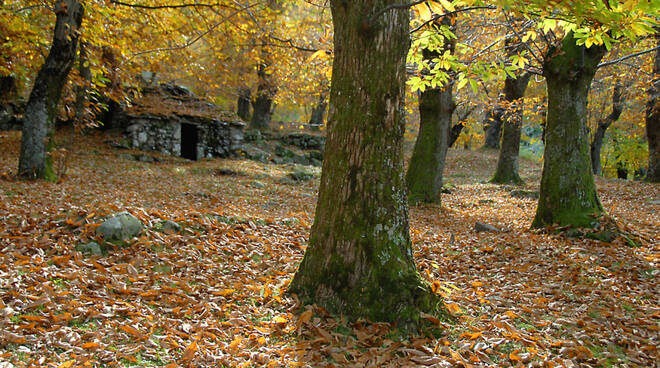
{"x":368,"y":183}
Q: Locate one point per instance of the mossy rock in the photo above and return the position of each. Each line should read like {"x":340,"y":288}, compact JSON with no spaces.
{"x":300,"y":175}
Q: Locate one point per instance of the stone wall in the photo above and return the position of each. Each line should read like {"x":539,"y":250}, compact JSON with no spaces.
{"x":171,"y":120}
{"x":215,"y":138}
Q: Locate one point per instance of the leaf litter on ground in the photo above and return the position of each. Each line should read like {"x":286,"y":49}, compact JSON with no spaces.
{"x":213,"y":293}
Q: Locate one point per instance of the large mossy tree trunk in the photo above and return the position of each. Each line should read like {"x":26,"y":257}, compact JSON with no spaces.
{"x":262,"y":106}
{"x":41,"y":109}
{"x":436,"y":107}
{"x":568,"y":194}
{"x":653,"y":120}
{"x":359,"y":261}
{"x":243,"y":103}
{"x":599,"y":134}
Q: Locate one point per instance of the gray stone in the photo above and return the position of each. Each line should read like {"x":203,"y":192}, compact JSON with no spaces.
{"x":121,"y":226}
{"x":521,"y":193}
{"x":91,"y":247}
{"x":169,"y":226}
{"x":300,"y":175}
{"x":257,"y":184}
{"x":480,"y":226}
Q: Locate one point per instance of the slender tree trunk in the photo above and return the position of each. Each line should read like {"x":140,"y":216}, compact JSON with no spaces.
{"x":493,"y":127}
{"x":262,"y":106}
{"x":653,"y":120}
{"x":41,"y":109}
{"x":318,"y":113}
{"x":243,"y":104}
{"x":427,"y":164}
{"x":359,"y":260}
{"x":457,"y":128}
{"x":82,"y":91}
{"x":568,"y":194}
{"x":507,"y":162}
{"x":599,"y":134}
{"x":514,"y":91}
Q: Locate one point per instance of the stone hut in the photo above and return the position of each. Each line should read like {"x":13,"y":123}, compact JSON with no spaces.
{"x":171,"y":120}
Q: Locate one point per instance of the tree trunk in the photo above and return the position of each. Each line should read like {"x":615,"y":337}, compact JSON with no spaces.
{"x":507,"y":162}
{"x":82,"y":90}
{"x":243,"y":105}
{"x":41,"y":109}
{"x":318,"y":114}
{"x":359,"y":261}
{"x":457,"y":128}
{"x":653,"y":120}
{"x":262,"y":106}
{"x":599,"y":134}
{"x":568,"y":194}
{"x":493,"y":127}
{"x":7,"y":87}
{"x":512,"y":118}
{"x":427,"y":164}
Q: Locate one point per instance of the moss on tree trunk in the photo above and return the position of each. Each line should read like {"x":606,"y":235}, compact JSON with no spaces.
{"x":359,"y":261}
{"x":427,"y":164}
{"x":41,"y":109}
{"x":568,"y":194}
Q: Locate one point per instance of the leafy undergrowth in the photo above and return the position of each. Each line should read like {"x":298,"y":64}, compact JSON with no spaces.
{"x":211,"y":296}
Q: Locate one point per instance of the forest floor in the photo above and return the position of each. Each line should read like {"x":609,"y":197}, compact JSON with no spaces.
{"x":212,"y":296}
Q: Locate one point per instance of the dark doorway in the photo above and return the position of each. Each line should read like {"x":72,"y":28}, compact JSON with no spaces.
{"x":189,"y":141}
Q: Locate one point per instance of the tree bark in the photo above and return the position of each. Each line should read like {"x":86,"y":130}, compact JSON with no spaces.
{"x":359,"y":261}
{"x":507,"y":162}
{"x":568,"y":194}
{"x":512,"y":118}
{"x":493,"y":127}
{"x":599,"y":134}
{"x":318,"y":114}
{"x":243,"y":104}
{"x":427,"y":164}
{"x":82,"y":91}
{"x":653,"y":120}
{"x":41,"y":109}
{"x":262,"y":106}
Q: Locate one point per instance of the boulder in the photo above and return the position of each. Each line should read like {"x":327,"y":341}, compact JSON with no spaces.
{"x":480,"y":226}
{"x":91,"y":247}
{"x":300,"y":175}
{"x":120,"y":227}
{"x":170,"y":227}
{"x":527,"y":194}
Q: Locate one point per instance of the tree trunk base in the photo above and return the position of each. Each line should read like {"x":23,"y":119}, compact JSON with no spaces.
{"x":393,"y":298}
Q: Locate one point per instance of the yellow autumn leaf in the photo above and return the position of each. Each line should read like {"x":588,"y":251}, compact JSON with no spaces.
{"x":66,"y":364}
{"x":423,"y":11}
{"x":315,"y":55}
{"x":447,"y":5}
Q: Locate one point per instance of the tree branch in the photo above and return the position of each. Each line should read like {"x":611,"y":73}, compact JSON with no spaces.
{"x":615,"y":61}
{"x":175,"y":6}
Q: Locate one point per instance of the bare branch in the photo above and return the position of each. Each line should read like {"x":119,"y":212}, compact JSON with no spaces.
{"x":615,"y":61}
